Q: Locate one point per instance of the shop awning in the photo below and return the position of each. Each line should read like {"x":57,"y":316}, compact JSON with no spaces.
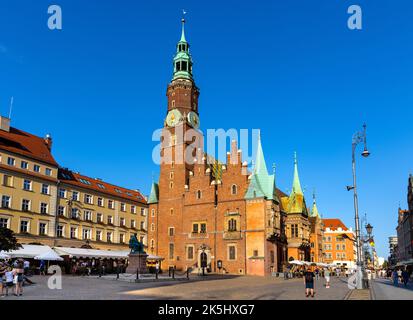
{"x":29,"y":251}
{"x":49,"y":256}
{"x":91,"y":253}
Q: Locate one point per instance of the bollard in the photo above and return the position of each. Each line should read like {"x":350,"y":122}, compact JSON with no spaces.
{"x":156,"y":274}
{"x":137,"y":274}
{"x":173,"y":273}
{"x":187,"y":273}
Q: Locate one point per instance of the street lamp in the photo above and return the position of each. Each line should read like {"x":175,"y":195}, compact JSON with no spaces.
{"x":357,"y":138}
{"x":369,"y":229}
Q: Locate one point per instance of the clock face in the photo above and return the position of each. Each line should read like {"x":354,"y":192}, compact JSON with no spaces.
{"x":173,"y":118}
{"x":193,"y":119}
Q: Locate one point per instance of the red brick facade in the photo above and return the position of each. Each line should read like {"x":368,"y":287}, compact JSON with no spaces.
{"x":199,"y":213}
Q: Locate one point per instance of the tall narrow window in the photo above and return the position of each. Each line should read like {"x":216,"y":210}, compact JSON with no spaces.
{"x":234,"y":189}
{"x":24,"y":226}
{"x":171,"y":251}
{"x":42,"y":228}
{"x":232,"y":252}
{"x":7,"y":181}
{"x":5,"y":202}
{"x":190,"y":253}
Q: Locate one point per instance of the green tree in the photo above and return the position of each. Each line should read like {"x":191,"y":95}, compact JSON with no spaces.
{"x":7,"y":240}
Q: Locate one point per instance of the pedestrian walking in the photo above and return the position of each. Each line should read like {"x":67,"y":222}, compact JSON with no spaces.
{"x":8,"y":278}
{"x":395,"y":278}
{"x":327,"y":278}
{"x":18,"y":278}
{"x":157,"y":267}
{"x":317,"y":273}
{"x":3,"y":270}
{"x":309,"y":283}
{"x":42,"y":268}
{"x":399,"y":274}
{"x":405,"y":276}
{"x":26,"y":265}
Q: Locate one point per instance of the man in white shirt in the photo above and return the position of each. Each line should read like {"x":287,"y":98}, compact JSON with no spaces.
{"x":26,"y":265}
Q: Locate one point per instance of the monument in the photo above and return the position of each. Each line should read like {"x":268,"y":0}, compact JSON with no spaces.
{"x":137,"y":257}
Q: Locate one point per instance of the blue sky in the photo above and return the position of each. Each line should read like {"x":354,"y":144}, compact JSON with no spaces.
{"x":291,"y":68}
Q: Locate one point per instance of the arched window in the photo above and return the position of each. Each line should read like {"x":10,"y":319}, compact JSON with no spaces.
{"x":199,"y":194}
{"x":234,"y":189}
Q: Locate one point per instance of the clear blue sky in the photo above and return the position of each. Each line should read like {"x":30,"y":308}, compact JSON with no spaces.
{"x":291,"y":68}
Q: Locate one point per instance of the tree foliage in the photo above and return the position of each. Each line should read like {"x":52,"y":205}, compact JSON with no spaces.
{"x":7,"y":240}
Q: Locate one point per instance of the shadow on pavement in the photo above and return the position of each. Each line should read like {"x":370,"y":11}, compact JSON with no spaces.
{"x":409,"y":286}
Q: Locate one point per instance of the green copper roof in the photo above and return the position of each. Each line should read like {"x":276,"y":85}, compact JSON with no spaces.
{"x":314,"y":211}
{"x":261,"y":183}
{"x":296,"y":201}
{"x":154,"y":196}
{"x":182,"y":59}
{"x":296,"y":182}
{"x":183,"y":32}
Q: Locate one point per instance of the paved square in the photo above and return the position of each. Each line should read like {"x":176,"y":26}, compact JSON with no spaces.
{"x":210,"y":288}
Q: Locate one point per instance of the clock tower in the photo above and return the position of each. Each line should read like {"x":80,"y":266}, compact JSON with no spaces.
{"x":182,"y":92}
{"x":181,"y":144}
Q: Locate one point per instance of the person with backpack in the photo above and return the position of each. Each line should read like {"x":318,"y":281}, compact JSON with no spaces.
{"x":309,"y":283}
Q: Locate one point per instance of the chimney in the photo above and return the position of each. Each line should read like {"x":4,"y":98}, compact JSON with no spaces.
{"x":48,"y":141}
{"x":4,"y":124}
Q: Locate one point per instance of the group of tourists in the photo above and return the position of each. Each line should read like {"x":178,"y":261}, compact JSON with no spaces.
{"x":87,"y":267}
{"x":13,"y":275}
{"x":400,"y":276}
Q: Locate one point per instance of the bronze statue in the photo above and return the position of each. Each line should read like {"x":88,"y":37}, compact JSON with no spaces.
{"x":135,"y":245}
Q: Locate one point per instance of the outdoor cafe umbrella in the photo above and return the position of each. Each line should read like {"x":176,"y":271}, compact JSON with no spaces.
{"x":297,"y":262}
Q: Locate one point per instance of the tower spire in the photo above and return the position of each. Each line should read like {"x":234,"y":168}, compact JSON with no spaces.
{"x":182,"y":58}
{"x":183,"y":39}
{"x":296,"y":182}
{"x":314,"y":211}
{"x":260,"y":166}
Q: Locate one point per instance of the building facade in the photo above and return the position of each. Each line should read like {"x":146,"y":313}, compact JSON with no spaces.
{"x":339,"y":244}
{"x":204,"y":213}
{"x":316,"y":235}
{"x":405,"y":228}
{"x":298,"y":226}
{"x":45,"y":204}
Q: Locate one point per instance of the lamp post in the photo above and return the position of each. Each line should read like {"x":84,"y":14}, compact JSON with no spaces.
{"x":357,"y":138}
{"x":369,"y":229}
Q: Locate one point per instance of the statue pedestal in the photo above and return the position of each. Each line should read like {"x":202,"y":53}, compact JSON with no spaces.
{"x":137,"y":260}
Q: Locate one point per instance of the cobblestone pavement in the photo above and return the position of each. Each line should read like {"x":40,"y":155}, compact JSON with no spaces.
{"x":383,"y":289}
{"x":246,"y":287}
